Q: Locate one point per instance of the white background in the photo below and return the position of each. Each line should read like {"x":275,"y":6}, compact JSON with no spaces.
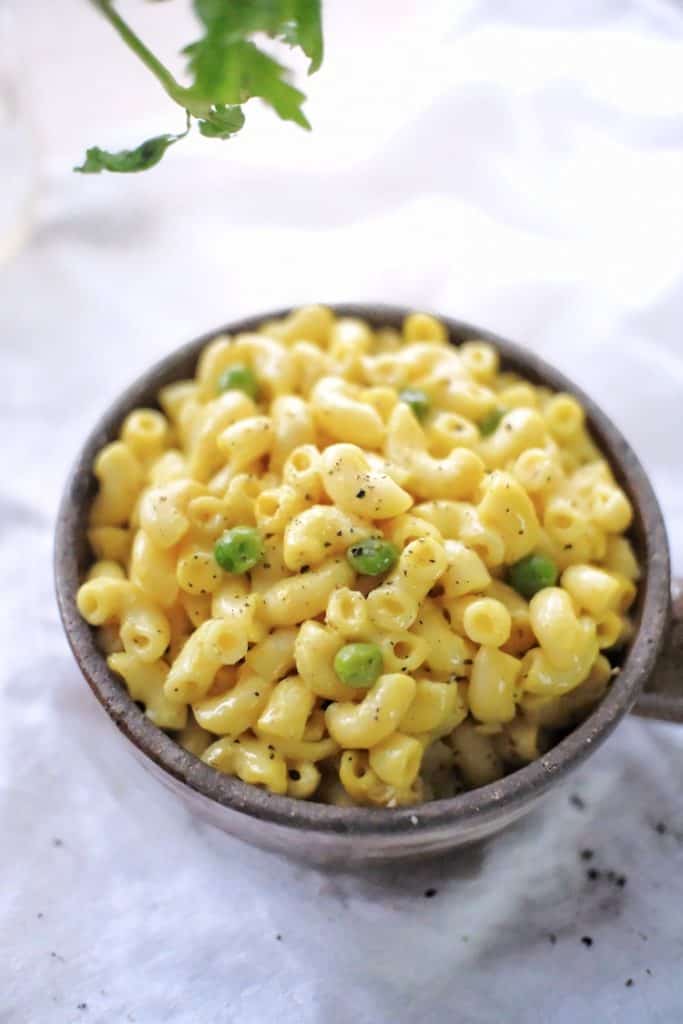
{"x":518,"y":165}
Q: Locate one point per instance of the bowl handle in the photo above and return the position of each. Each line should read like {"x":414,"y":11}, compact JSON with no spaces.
{"x":663,"y":695}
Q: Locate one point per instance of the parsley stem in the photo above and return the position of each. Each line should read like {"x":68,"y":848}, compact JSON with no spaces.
{"x":160,"y":72}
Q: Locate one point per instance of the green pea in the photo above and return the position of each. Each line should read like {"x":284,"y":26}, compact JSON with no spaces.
{"x":373,"y":556}
{"x":532,"y":574}
{"x":417,"y":400}
{"x":491,"y":422}
{"x":239,"y":550}
{"x":358,"y":664}
{"x":239,"y":378}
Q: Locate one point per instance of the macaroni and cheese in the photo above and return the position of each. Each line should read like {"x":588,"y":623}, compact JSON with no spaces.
{"x":359,"y":566}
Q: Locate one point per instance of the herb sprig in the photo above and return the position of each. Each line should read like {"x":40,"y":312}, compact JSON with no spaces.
{"x":227,"y":68}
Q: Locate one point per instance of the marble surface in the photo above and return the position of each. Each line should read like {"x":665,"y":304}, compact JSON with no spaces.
{"x":507,"y":165}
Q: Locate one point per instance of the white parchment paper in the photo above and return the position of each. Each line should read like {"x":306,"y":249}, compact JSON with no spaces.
{"x":518,"y":165}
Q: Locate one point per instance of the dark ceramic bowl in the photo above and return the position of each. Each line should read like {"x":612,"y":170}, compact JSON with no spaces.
{"x":323,"y":834}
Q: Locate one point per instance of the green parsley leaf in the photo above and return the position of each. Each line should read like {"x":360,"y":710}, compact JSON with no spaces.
{"x":227,"y":69}
{"x":306,"y":30}
{"x":231,"y":74}
{"x":296,"y":22}
{"x":127,"y":161}
{"x":222,"y":122}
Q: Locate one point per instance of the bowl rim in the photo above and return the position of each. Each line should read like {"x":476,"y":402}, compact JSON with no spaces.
{"x":515,"y":789}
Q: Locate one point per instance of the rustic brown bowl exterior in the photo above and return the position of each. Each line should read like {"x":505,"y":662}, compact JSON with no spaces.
{"x":315,"y":832}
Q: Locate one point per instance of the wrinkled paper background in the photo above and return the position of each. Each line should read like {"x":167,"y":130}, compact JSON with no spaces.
{"x":518,"y":165}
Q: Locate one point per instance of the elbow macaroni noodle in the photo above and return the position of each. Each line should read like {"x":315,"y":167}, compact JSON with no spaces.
{"x":321,"y":452}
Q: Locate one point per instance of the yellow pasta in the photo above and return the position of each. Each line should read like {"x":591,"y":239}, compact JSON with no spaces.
{"x":106,"y":569}
{"x":456,"y":475}
{"x":448,"y":653}
{"x":352,"y":484}
{"x":521,"y":634}
{"x":238,"y":709}
{"x":303,"y":778}
{"x":273,"y":657}
{"x":287,"y":710}
{"x":396,"y":602}
{"x":402,"y":651}
{"x":318,"y":533}
{"x":143,"y":627}
{"x":397,"y":760}
{"x":110,"y":542}
{"x":555,"y":624}
{"x":481,"y":359}
{"x":618,"y":558}
{"x":507,"y":509}
{"x":423,"y":327}
{"x":542,"y":676}
{"x":120,"y":477}
{"x":347,"y":613}
{"x":246,"y":441}
{"x":487,"y":622}
{"x":436,"y":709}
{"x":163,"y":511}
{"x":251,"y":759}
{"x":447,"y":431}
{"x":466,"y":572}
{"x":213,"y":644}
{"x":304,"y":596}
{"x":491,"y":691}
{"x":362,"y":725}
{"x":592,"y":588}
{"x":520,"y":430}
{"x":153,"y":569}
{"x":564,"y":417}
{"x":362,"y":785}
{"x":193,"y":738}
{"x":196,"y":569}
{"x":610,"y":508}
{"x":342,"y":415}
{"x":217,"y":416}
{"x":197,"y":607}
{"x":145,"y":681}
{"x":314,"y":652}
{"x":538,"y":471}
{"x":358,"y":564}
{"x":293,"y":426}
